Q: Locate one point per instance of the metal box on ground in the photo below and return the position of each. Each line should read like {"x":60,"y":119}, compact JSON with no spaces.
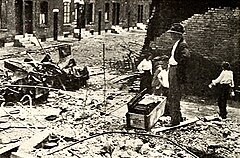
{"x":144,"y":113}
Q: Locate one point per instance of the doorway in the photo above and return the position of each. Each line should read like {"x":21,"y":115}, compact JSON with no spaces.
{"x":19,"y":17}
{"x":116,"y":14}
{"x":140,"y":14}
{"x":28,"y":17}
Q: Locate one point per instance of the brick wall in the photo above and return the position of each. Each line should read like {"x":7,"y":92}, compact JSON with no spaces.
{"x":12,"y":15}
{"x":164,"y":13}
{"x":215,"y":34}
{"x":213,"y":37}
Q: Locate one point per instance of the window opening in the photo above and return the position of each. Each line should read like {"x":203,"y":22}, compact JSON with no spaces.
{"x":66,"y":13}
{"x":90,"y":13}
{"x":3,"y":14}
{"x":107,"y":7}
{"x":44,"y":13}
{"x":140,"y":13}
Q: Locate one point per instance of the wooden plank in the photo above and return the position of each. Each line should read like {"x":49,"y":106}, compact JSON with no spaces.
{"x":182,"y":124}
{"x":28,"y":145}
{"x":21,"y":155}
{"x":9,"y":147}
{"x":136,"y":99}
{"x":22,"y":126}
{"x":211,"y":118}
{"x":125,"y":77}
{"x":100,"y":73}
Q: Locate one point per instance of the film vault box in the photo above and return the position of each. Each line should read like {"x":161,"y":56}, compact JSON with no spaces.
{"x":144,"y":111}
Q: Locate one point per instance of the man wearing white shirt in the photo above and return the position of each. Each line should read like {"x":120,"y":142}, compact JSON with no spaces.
{"x":145,"y":67}
{"x":177,"y":72}
{"x":226,"y":83}
{"x":163,"y":79}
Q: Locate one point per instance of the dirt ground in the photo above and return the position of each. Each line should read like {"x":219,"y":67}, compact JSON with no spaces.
{"x":91,"y":122}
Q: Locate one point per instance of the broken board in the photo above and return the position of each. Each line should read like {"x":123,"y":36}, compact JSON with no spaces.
{"x":9,"y":147}
{"x":182,"y":124}
{"x":28,"y":145}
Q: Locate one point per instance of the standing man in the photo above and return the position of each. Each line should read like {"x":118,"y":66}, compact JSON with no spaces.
{"x":145,"y":67}
{"x":177,"y":72}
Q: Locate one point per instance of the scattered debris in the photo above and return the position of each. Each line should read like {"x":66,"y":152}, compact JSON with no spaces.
{"x":36,"y":78}
{"x":83,"y":126}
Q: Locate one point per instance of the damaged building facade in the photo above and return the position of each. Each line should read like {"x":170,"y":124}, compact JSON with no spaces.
{"x":98,"y":15}
{"x":19,"y":17}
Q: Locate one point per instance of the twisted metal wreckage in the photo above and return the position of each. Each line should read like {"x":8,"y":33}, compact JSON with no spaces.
{"x":37,"y":78}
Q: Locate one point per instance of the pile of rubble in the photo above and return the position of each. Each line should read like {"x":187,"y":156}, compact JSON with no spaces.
{"x":36,"y":78}
{"x":71,"y":126}
{"x":209,"y":137}
{"x":75,"y":120}
{"x":79,"y":124}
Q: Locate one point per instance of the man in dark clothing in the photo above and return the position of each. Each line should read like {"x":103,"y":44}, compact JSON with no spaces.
{"x":177,"y":72}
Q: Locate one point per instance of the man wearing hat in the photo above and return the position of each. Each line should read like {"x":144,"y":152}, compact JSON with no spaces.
{"x":177,"y":72}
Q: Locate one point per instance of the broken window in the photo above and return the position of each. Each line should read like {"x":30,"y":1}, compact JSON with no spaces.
{"x":3,"y":14}
{"x":43,"y":12}
{"x":66,"y":13}
{"x":107,"y":11}
{"x":140,"y":13}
